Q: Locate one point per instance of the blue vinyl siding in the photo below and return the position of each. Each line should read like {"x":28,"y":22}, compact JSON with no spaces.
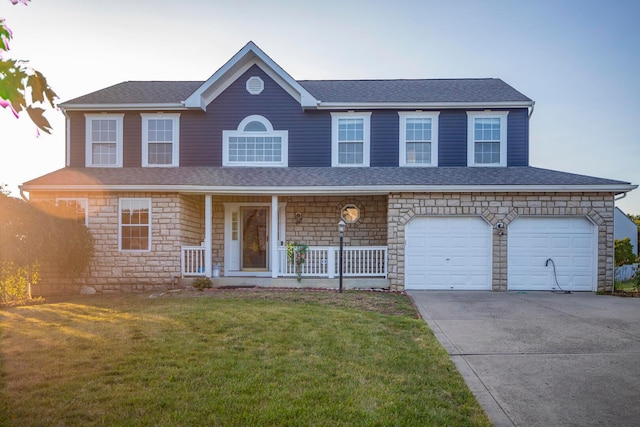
{"x":452,"y":138}
{"x":309,"y":131}
{"x":518,"y":138}
{"x":384,"y":138}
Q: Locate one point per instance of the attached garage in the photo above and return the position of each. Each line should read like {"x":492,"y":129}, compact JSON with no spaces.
{"x":448,"y":252}
{"x":538,"y":244}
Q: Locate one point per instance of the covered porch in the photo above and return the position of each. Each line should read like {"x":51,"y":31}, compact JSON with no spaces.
{"x":283,"y":237}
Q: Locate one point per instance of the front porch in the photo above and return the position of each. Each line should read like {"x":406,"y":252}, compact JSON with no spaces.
{"x":248,"y":237}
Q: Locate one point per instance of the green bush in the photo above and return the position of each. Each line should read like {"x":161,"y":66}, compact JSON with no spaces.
{"x":202,"y":283}
{"x":624,"y":252}
{"x":35,"y":237}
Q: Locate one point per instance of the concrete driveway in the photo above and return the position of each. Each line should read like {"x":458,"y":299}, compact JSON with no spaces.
{"x":540,"y":358}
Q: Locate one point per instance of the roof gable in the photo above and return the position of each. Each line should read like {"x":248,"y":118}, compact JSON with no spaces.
{"x":247,"y":57}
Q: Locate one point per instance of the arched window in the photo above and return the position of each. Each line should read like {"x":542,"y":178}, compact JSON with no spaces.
{"x":255,"y":143}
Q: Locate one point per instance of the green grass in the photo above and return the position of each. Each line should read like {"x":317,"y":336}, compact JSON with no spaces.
{"x":626,"y":286}
{"x":228,"y":358}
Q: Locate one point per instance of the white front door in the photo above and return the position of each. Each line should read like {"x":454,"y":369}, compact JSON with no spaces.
{"x":247,"y":235}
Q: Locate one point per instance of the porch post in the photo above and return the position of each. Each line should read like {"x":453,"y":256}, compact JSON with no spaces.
{"x":273,"y":238}
{"x":208,"y":229}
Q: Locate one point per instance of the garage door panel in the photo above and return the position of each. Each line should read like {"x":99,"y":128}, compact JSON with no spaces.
{"x":455,"y":253}
{"x":569,"y":242}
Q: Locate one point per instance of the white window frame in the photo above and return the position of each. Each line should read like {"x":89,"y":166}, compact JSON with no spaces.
{"x":119,"y":118}
{"x":120,"y":225}
{"x":175,"y":144}
{"x":471,"y":117}
{"x":404,"y":115}
{"x":366,"y":149}
{"x":240,"y":132}
{"x":84,"y":202}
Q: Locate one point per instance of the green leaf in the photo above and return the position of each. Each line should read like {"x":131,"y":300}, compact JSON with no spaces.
{"x":38,"y":118}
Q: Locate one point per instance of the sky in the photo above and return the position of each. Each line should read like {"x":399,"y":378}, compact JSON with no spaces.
{"x":578,"y":60}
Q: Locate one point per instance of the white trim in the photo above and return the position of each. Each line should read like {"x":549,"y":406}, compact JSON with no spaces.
{"x":273,"y":237}
{"x":366,"y":149}
{"x":208,"y":235}
{"x":175,"y":144}
{"x":120,"y":200}
{"x":119,"y":118}
{"x":82,"y":201}
{"x":240,"y":132}
{"x":420,"y":105}
{"x":172,"y":106}
{"x":325,"y":189}
{"x":471,"y":116}
{"x":67,"y":139}
{"x":246,"y":57}
{"x":254,"y":85}
{"x":404,"y":115}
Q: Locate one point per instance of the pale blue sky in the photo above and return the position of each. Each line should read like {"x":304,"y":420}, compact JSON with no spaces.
{"x":578,"y":60}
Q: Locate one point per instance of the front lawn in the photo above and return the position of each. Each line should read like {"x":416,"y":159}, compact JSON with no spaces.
{"x":228,"y":358}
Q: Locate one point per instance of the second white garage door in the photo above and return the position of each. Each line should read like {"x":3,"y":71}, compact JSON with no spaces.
{"x":448,"y":253}
{"x":536,"y":244}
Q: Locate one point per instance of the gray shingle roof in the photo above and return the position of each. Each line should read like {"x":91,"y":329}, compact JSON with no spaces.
{"x":281,"y":179}
{"x":424,"y":90}
{"x":349,"y":91}
{"x":139,"y":92}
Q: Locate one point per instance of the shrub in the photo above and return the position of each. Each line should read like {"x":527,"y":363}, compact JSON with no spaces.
{"x":624,"y":252}
{"x":37,"y":237}
{"x":202,"y":283}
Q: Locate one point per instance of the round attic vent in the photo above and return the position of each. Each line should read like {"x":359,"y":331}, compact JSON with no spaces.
{"x":255,"y":85}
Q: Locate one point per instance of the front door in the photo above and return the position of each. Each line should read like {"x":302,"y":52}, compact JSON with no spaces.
{"x":254,"y":241}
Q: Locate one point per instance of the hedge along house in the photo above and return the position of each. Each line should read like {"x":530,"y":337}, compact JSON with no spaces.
{"x":432,"y":178}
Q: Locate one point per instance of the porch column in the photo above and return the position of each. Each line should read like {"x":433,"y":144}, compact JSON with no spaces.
{"x":208,"y":230}
{"x":273,"y":238}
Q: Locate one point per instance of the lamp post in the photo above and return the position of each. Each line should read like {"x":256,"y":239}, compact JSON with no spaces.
{"x":341,"y":226}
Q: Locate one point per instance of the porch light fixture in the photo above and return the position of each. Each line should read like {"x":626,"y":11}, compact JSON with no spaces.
{"x":341,"y":227}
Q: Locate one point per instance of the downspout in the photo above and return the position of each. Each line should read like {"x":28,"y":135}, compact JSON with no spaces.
{"x":25,"y":198}
{"x":613,"y":288}
{"x":533,"y":106}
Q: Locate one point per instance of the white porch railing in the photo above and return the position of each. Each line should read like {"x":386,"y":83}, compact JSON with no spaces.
{"x":323,"y":261}
{"x":320,"y":261}
{"x":192,"y":261}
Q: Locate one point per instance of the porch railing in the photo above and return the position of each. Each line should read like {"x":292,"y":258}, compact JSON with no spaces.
{"x":323,"y":261}
{"x":320,"y":261}
{"x":192,"y":261}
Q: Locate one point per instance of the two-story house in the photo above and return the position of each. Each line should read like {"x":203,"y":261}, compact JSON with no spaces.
{"x":431,"y":177}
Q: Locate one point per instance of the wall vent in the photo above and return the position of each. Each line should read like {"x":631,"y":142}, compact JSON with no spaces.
{"x":255,"y":85}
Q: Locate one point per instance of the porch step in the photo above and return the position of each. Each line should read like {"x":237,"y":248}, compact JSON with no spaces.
{"x":312,"y":282}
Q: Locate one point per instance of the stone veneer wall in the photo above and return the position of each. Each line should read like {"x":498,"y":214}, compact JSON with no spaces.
{"x":176,"y":220}
{"x":501,"y":207}
{"x":321,"y":214}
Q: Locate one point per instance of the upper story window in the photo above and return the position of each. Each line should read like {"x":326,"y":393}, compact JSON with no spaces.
{"x":103,"y":146}
{"x":487,"y":138}
{"x":255,"y":143}
{"x":160,"y":139}
{"x":418,"y":139}
{"x":350,"y":139}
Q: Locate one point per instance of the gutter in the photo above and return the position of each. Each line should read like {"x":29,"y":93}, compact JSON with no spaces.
{"x":362,"y":189}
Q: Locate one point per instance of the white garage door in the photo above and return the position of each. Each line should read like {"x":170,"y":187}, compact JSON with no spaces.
{"x":536,"y":244}
{"x":448,"y":253}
